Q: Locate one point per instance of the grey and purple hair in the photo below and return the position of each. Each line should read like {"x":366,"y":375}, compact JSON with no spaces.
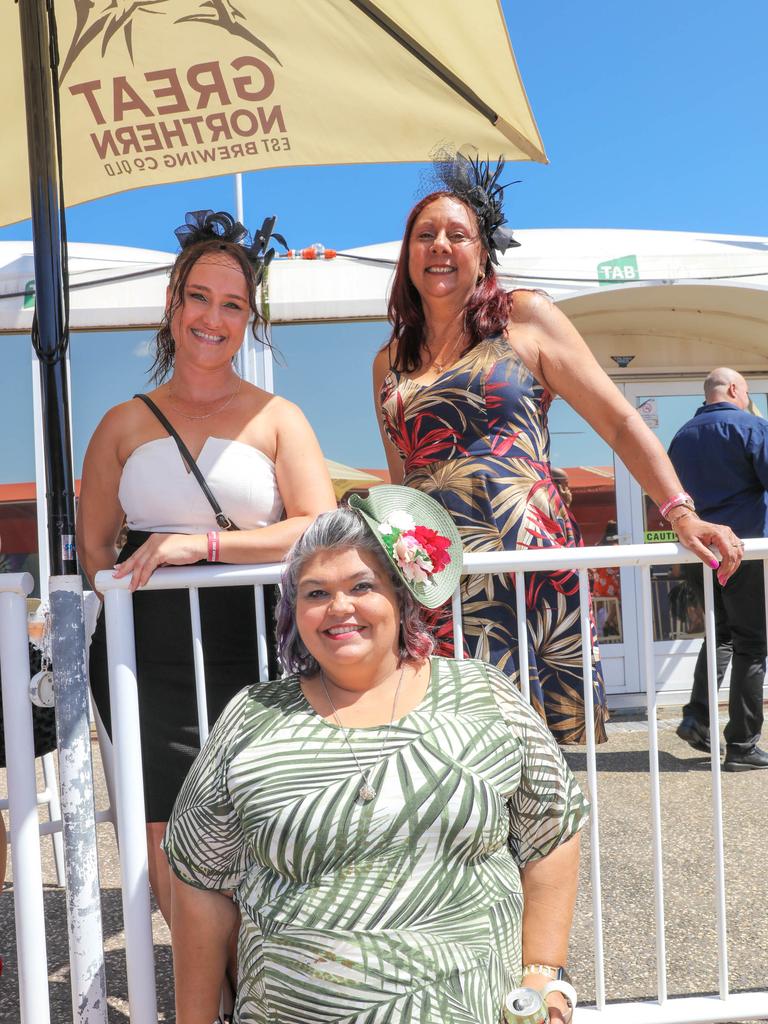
{"x":338,"y":531}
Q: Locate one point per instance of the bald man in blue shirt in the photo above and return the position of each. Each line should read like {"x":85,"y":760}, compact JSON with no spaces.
{"x":721,"y":457}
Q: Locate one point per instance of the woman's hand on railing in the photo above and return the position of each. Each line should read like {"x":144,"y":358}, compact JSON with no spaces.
{"x":699,"y":536}
{"x":162,"y":549}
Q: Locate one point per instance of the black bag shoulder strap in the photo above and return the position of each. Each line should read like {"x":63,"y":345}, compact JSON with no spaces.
{"x":222,"y":519}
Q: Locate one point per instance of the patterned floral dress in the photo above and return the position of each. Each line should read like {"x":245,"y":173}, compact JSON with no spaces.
{"x":476,"y":439}
{"x":403,"y":910}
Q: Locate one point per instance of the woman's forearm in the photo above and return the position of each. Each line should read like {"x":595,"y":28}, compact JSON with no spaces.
{"x":267,"y":544}
{"x":645,"y":458}
{"x":549,"y":895}
{"x":237,"y":547}
{"x":202,"y":922}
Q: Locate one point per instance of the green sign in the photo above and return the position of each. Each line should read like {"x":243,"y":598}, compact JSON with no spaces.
{"x":618,"y":271}
{"x":29,"y":295}
{"x":659,"y":536}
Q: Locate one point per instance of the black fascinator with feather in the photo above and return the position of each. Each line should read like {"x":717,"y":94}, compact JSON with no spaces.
{"x":207,"y":226}
{"x":472,"y":180}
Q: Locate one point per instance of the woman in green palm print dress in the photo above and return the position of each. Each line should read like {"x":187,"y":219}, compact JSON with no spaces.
{"x":381,"y":816}
{"x":462,"y":392}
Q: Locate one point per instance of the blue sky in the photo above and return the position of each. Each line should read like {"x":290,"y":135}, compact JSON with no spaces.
{"x":653,"y":115}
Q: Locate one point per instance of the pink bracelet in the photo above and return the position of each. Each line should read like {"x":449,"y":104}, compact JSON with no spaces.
{"x":213,"y":545}
{"x":675,"y":502}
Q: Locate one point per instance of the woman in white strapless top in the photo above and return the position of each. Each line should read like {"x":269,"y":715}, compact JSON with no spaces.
{"x":264,"y":466}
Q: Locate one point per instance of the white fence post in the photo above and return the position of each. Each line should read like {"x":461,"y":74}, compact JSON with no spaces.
{"x":129,"y":807}
{"x":646,"y":632}
{"x":717,"y":798}
{"x":22,"y":800}
{"x":594,"y":816}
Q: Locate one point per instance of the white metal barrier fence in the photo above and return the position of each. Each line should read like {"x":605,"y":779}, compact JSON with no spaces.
{"x":724,"y":1006}
{"x":22,"y":803}
{"x":22,"y":799}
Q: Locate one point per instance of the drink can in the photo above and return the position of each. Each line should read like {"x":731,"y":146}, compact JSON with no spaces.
{"x":525,"y":1006}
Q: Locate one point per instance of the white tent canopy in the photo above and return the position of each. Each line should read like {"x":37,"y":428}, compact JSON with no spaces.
{"x":674,"y":301}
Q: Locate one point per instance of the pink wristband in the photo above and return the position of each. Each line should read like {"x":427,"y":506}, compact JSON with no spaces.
{"x":213,"y":546}
{"x":674,"y":502}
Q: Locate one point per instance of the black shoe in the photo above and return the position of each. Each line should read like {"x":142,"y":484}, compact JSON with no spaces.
{"x":738,"y":762}
{"x":694,"y":734}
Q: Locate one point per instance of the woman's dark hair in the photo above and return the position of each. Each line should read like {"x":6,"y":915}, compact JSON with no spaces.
{"x":165,"y":347}
{"x":339,"y":531}
{"x":486,"y":312}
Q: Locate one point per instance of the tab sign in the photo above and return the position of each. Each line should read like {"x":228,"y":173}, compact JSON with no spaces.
{"x":618,"y":271}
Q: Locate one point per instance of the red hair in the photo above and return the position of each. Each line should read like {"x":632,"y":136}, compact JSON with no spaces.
{"x":486,"y":312}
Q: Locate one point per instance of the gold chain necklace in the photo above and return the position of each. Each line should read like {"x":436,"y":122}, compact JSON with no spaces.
{"x":440,"y":366}
{"x":366,"y":792}
{"x":207,"y":415}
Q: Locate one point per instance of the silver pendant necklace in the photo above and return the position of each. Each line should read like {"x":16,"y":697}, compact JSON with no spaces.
{"x":366,"y":792}
{"x":207,"y":415}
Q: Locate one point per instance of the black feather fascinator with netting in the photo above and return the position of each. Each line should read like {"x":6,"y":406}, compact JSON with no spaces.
{"x":205,"y":226}
{"x":472,"y":180}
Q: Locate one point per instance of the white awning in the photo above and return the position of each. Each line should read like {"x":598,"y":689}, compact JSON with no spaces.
{"x":668,"y":299}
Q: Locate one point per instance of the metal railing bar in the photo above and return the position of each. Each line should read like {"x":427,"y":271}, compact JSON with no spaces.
{"x":679,"y":1010}
{"x":129,"y":806}
{"x":51,"y":794}
{"x":717,"y":797}
{"x":646,"y":626}
{"x":522,"y":636}
{"x":181,"y":577}
{"x":43,"y":797}
{"x":55,"y":825}
{"x":199,"y":663}
{"x":262,"y":647}
{"x":539,"y":559}
{"x":458,"y":624}
{"x":22,"y":794}
{"x":594,"y":830}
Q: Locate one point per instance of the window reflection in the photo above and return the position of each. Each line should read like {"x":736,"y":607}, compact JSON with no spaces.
{"x":586,"y":464}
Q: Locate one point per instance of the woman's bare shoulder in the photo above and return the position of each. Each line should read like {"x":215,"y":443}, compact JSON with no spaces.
{"x":275,"y":409}
{"x":255,"y":397}
{"x":122,"y":419}
{"x":384,"y":358}
{"x":530,"y":305}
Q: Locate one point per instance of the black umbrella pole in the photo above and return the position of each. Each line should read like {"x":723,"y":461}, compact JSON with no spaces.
{"x":49,"y":290}
{"x":59,"y":475}
{"x":88,"y":978}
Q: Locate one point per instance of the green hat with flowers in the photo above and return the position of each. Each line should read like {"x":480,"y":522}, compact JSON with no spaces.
{"x":419,"y":538}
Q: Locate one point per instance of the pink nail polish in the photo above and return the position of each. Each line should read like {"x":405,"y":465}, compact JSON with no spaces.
{"x":713,"y":563}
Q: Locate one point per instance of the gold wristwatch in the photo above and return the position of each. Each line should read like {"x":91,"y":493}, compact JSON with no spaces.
{"x":553,"y":973}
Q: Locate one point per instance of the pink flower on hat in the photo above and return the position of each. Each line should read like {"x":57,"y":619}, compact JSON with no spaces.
{"x":417,"y":551}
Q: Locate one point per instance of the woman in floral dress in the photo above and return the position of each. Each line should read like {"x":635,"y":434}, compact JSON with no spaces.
{"x":462,"y":391}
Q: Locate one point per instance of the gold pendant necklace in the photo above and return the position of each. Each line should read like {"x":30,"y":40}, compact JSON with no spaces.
{"x":207,"y":415}
{"x":366,"y":792}
{"x":440,"y":366}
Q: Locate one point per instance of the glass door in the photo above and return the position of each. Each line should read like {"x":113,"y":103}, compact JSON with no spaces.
{"x":678,"y":616}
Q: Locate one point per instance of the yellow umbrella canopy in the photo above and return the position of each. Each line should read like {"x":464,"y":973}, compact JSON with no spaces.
{"x":347,"y":478}
{"x":156,"y":91}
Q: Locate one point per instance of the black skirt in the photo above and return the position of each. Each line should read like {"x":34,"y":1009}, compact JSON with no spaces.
{"x":166,"y":676}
